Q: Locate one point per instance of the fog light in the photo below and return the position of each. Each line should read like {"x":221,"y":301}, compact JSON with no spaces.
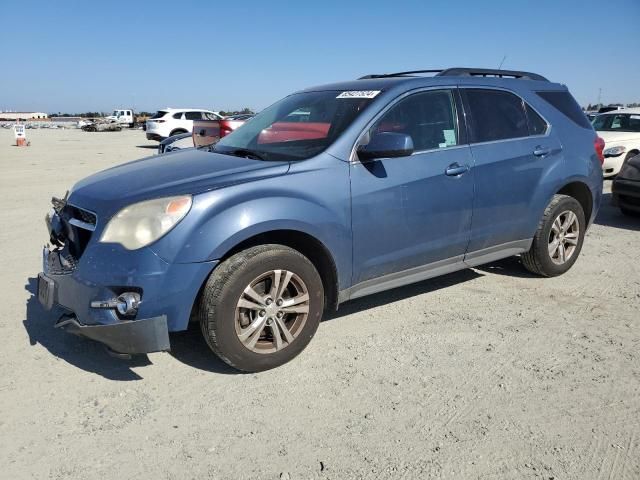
{"x":128,"y":303}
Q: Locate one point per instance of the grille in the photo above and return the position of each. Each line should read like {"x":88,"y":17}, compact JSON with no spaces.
{"x":84,"y":216}
{"x":61,"y":263}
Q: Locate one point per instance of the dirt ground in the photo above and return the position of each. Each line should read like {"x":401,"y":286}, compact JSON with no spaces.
{"x":488,"y":373}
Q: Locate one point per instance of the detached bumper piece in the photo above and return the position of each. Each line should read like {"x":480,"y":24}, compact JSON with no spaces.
{"x":126,"y":337}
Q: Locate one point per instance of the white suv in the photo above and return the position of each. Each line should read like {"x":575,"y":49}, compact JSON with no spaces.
{"x":172,"y":121}
{"x":620,"y":130}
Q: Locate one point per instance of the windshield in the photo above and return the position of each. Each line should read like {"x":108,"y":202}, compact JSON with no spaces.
{"x":115,"y":113}
{"x":619,"y":122}
{"x":297,"y":127}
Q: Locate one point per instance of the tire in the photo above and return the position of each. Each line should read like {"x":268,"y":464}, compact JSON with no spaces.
{"x":227,"y":325}
{"x":539,"y":259}
{"x":629,"y":213}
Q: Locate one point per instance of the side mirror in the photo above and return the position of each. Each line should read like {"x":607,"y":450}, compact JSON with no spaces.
{"x":386,"y":145}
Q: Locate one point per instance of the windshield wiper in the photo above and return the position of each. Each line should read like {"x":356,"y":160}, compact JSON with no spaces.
{"x":245,"y":152}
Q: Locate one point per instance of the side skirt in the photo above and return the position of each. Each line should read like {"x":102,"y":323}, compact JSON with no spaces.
{"x":435,"y":269}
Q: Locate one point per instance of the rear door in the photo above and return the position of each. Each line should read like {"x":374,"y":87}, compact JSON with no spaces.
{"x":414,"y":211}
{"x":514,"y":150}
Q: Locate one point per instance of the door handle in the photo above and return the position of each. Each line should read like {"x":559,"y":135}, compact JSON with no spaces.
{"x":540,"y":151}
{"x":456,"y":169}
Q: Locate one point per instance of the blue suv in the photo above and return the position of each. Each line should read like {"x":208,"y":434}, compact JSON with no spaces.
{"x":330,"y":194}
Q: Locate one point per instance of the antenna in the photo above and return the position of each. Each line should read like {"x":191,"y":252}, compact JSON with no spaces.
{"x":503,"y":59}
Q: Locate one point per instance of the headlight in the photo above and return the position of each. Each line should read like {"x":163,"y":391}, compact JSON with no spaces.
{"x":614,"y":151}
{"x":142,"y":223}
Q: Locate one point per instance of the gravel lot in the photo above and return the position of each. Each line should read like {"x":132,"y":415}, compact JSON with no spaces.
{"x":487,"y":373}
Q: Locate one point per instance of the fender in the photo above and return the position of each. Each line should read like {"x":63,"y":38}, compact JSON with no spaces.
{"x":223,"y":218}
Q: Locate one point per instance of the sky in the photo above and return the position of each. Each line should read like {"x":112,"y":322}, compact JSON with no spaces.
{"x":77,"y":56}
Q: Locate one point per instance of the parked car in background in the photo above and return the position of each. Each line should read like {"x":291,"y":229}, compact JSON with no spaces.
{"x":205,"y":133}
{"x":620,"y":130}
{"x":330,"y":194}
{"x":240,"y":116}
{"x":626,"y":187}
{"x":172,"y":121}
{"x":610,"y":108}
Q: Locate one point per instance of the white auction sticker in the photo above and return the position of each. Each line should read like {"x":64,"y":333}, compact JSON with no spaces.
{"x":359,"y":94}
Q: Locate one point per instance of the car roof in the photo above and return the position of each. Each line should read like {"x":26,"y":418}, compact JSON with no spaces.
{"x":170,"y":109}
{"x":410,"y":82}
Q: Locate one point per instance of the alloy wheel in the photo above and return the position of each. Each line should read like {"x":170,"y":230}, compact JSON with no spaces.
{"x":564,"y":237}
{"x":272,"y":311}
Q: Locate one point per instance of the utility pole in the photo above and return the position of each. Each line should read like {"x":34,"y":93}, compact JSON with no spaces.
{"x":599,"y":97}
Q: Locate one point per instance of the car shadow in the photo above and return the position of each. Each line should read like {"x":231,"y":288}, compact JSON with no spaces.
{"x":510,"y":267}
{"x":151,"y":147}
{"x":611,"y":216}
{"x":190,"y":348}
{"x":80,"y":352}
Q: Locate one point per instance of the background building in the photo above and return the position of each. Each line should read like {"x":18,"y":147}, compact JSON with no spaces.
{"x":23,"y":116}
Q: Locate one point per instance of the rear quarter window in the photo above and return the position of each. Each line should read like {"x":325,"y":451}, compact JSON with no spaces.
{"x":565,"y":103}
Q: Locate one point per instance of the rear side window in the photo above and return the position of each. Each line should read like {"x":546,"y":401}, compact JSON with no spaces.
{"x":159,"y":114}
{"x":193,"y":115}
{"x":496,"y":115}
{"x":429,"y":118}
{"x":537,"y":125}
{"x":564,"y":102}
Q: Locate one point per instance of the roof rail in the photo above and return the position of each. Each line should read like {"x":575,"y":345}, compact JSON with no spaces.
{"x":398,"y":74}
{"x":463,"y":72}
{"x":490,"y":72}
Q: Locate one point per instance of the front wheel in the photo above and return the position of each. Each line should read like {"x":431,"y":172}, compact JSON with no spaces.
{"x":558,"y":240}
{"x":261,"y":307}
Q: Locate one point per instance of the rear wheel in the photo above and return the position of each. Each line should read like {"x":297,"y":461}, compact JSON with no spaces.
{"x":177,"y":131}
{"x":261,"y":307}
{"x":558,"y":240}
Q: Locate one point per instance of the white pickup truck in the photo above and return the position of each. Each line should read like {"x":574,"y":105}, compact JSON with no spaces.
{"x":124,"y":117}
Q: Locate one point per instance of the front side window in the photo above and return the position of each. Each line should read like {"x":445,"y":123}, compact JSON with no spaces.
{"x":619,"y":122}
{"x":429,"y":118}
{"x":297,"y":127}
{"x":496,"y":115}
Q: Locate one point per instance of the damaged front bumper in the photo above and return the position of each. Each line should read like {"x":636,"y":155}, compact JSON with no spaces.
{"x":127,"y":299}
{"x":128,"y":337}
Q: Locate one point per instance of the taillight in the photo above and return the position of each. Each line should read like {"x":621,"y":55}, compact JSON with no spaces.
{"x":225,"y":129}
{"x":598,"y":144}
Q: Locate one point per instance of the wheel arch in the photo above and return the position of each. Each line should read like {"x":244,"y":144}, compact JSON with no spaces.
{"x":309,"y":246}
{"x":582,"y":193}
{"x":177,"y":131}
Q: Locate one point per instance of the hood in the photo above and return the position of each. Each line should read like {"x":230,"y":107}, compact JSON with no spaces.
{"x":614,"y":138}
{"x":181,"y":172}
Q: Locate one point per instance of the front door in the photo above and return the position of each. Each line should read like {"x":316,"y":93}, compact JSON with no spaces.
{"x":414,"y":211}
